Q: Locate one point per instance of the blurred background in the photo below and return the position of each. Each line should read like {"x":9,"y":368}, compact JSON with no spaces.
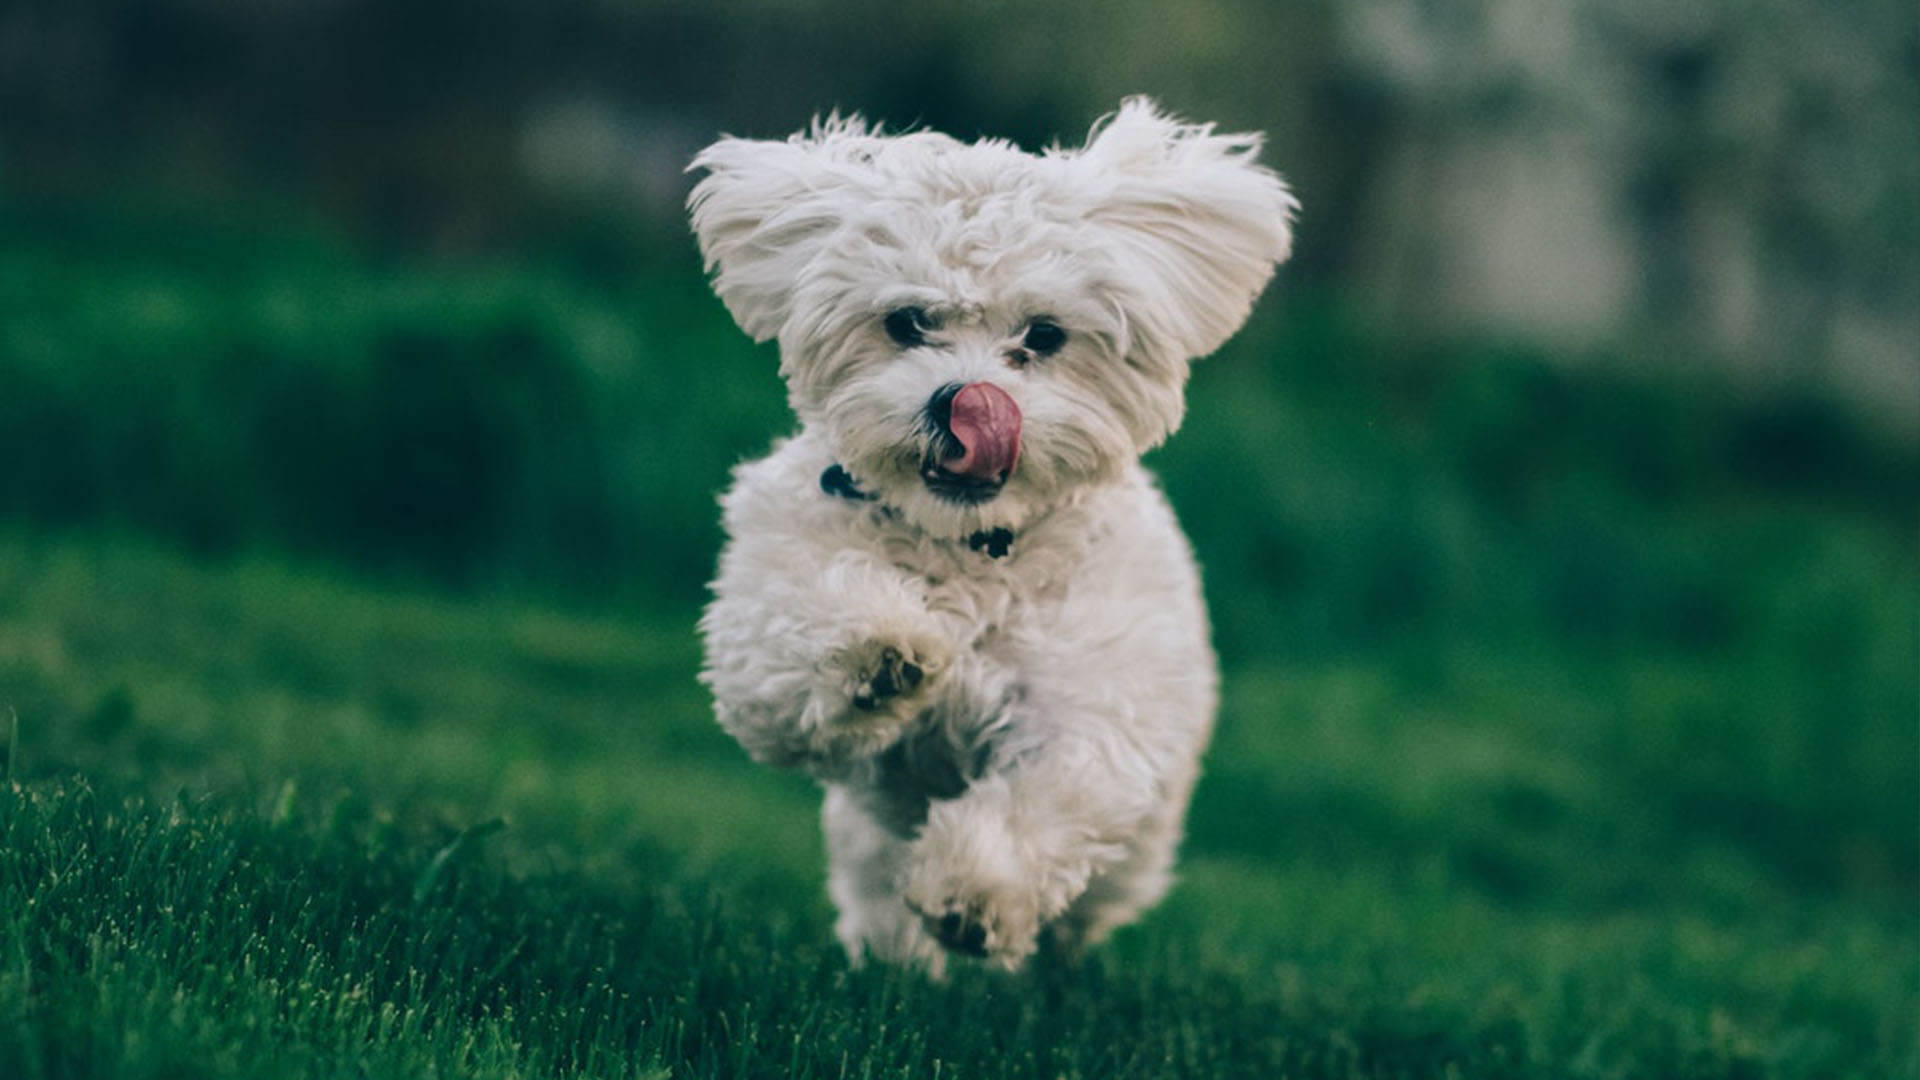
{"x":409,"y":285}
{"x":1599,"y":357}
{"x":411,"y":282}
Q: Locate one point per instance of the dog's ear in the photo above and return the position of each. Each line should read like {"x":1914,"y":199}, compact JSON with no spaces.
{"x":1198,"y":223}
{"x":765,"y":208}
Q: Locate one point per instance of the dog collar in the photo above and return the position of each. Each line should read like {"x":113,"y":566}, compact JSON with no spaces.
{"x":996,"y":542}
{"x":836,"y":482}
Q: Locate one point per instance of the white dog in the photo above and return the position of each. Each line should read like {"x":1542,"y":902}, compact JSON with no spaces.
{"x":955,"y":597}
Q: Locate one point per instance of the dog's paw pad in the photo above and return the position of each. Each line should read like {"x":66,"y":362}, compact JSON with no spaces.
{"x":891,"y":675}
{"x":961,"y":934}
{"x":975,"y":928}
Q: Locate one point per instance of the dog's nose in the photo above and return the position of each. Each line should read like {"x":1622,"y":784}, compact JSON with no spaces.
{"x":980,"y":426}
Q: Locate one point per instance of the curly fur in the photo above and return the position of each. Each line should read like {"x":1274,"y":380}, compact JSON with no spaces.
{"x":1008,"y":744}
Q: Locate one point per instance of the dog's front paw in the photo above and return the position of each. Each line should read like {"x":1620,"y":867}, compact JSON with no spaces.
{"x":888,"y":675}
{"x":886,"y":678}
{"x":993,"y":921}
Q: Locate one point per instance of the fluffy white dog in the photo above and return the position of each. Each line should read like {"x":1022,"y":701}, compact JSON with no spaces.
{"x":955,"y":597}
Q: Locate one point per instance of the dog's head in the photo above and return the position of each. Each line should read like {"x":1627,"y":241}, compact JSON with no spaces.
{"x":979,"y":331}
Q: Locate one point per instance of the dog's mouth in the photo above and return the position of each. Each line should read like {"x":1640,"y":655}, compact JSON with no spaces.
{"x":975,"y":442}
{"x":957,"y":487}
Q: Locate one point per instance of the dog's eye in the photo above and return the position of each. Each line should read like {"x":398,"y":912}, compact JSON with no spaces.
{"x":1044,"y":336}
{"x":909,"y":326}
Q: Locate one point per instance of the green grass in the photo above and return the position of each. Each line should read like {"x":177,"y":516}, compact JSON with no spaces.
{"x":252,"y":832}
{"x":1569,"y":722}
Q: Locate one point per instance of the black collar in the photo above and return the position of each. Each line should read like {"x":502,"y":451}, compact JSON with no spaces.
{"x":997,"y":542}
{"x":835,"y":481}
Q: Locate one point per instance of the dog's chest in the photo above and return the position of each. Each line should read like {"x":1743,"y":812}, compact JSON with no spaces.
{"x":990,"y":591}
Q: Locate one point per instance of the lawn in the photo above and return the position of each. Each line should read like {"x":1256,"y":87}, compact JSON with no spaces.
{"x":268,"y":821}
{"x":1569,"y":723}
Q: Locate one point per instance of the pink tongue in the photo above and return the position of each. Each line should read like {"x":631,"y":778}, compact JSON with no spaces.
{"x":987,"y":424}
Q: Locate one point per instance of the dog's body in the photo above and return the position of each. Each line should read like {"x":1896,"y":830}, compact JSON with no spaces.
{"x":955,"y":597}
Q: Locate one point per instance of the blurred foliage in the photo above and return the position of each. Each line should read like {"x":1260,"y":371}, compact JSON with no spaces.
{"x":1735,"y":176}
{"x":490,"y":424}
{"x":410,"y":284}
{"x":502,"y":424}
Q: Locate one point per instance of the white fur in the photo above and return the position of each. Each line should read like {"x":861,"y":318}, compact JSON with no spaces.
{"x":1038,"y":776}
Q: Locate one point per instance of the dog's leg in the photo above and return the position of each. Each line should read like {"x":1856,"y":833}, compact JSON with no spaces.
{"x":1016,"y":851}
{"x":819,"y":662}
{"x":865,"y":863}
{"x":1117,"y":894}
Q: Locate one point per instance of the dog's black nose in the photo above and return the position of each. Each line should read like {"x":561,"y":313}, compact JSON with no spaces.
{"x":940,"y":409}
